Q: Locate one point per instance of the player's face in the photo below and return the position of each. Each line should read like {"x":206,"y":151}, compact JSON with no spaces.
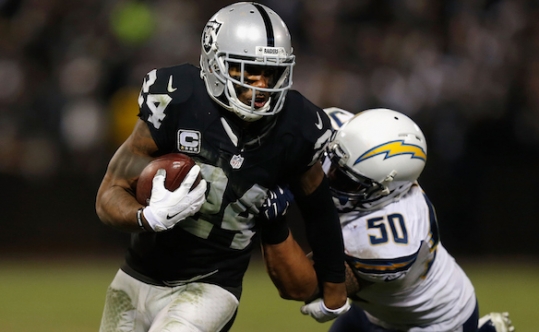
{"x":256,"y":76}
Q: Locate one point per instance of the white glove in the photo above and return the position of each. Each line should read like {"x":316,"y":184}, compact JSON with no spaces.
{"x":167,"y":208}
{"x":317,"y":309}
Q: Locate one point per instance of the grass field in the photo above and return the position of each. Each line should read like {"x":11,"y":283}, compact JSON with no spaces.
{"x":68,"y":296}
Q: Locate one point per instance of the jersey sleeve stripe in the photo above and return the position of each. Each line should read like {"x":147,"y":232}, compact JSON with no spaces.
{"x":383,"y":266}
{"x":434,"y":231}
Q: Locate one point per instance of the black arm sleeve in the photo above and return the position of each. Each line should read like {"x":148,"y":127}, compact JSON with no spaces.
{"x":323,"y":231}
{"x":274,"y":231}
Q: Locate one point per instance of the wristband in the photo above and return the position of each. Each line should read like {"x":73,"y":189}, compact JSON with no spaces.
{"x":274,"y":232}
{"x":139,"y":219}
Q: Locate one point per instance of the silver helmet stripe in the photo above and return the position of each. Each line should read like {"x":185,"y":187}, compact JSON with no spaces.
{"x":267,"y":23}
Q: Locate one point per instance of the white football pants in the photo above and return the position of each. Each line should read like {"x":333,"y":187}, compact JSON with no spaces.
{"x":134,"y":306}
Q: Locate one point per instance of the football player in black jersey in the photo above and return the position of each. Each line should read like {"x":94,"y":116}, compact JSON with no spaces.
{"x":237,"y":117}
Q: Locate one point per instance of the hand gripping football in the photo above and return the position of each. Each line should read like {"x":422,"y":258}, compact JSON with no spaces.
{"x":177,"y":165}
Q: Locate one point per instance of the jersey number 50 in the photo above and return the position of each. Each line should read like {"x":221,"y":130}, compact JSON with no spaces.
{"x":396,"y":224}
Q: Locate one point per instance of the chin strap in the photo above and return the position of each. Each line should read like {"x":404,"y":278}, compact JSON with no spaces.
{"x":388,"y":179}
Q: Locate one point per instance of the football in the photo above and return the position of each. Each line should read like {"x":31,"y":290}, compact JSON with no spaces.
{"x":177,"y":165}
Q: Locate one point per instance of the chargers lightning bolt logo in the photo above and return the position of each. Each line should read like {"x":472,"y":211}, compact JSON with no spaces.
{"x":392,"y":149}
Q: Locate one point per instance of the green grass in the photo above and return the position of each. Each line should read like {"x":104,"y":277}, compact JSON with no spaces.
{"x":46,"y":296}
{"x":508,"y":286}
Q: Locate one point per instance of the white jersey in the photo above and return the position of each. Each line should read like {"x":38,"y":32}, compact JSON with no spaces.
{"x":414,"y":284}
{"x":415,"y":281}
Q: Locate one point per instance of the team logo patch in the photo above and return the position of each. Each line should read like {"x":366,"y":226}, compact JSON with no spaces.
{"x":189,"y":141}
{"x":208,"y":35}
{"x":392,"y":149}
{"x":236,"y":161}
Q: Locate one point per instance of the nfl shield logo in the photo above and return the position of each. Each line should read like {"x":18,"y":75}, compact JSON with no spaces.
{"x":236,"y":161}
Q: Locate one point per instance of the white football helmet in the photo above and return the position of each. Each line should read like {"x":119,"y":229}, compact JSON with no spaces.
{"x":375,"y":156}
{"x":246,"y":34}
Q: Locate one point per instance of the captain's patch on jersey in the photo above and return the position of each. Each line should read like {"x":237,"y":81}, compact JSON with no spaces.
{"x":189,"y":141}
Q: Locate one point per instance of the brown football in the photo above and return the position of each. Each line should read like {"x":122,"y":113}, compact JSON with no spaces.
{"x":177,"y":165}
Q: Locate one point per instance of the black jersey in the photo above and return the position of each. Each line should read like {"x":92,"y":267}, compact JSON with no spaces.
{"x":238,"y":164}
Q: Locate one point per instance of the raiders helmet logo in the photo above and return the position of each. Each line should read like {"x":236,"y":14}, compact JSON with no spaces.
{"x":209,"y":34}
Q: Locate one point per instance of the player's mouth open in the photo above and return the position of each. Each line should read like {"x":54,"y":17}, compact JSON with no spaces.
{"x":260,"y":102}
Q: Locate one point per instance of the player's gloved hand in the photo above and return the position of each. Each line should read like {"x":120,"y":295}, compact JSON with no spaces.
{"x":272,"y":224}
{"x":166,"y":208}
{"x":317,"y":309}
{"x":277,"y":203}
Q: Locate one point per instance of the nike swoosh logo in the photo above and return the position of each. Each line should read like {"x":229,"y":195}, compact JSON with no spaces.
{"x":319,"y":123}
{"x":169,"y":87}
{"x":172,"y":216}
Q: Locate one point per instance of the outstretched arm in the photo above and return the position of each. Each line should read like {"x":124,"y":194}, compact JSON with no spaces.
{"x":324,"y":234}
{"x":290,"y":270}
{"x":293,"y":274}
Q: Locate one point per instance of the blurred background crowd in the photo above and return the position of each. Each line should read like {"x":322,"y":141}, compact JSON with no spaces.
{"x":467,"y":71}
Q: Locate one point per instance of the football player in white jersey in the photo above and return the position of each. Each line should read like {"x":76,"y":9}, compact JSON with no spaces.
{"x":399,"y":275}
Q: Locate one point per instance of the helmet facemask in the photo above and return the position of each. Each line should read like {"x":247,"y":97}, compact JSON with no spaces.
{"x":350,"y":190}
{"x":278,"y":84}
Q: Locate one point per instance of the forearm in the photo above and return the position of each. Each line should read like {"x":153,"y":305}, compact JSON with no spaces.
{"x":117,"y":207}
{"x":290,"y":270}
{"x":334,"y":294}
{"x":323,"y":232}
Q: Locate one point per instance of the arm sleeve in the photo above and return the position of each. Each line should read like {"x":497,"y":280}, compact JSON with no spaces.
{"x":323,"y":231}
{"x":274,"y":231}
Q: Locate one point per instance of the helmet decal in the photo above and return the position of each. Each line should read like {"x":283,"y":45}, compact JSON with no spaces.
{"x":210,"y":32}
{"x":392,"y":149}
{"x":267,"y":23}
